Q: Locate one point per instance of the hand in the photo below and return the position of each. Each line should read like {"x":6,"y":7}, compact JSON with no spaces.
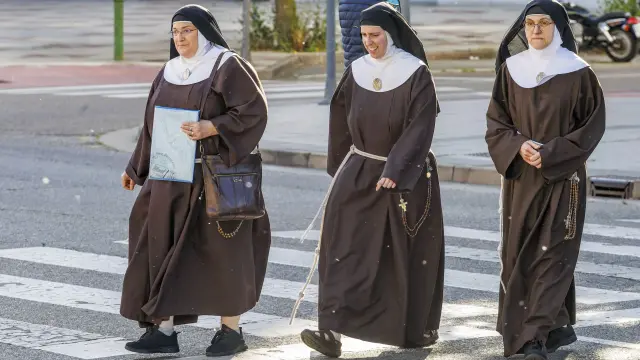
{"x":385,"y":183}
{"x":536,"y":160}
{"x":197,"y":130}
{"x":529,"y":153}
{"x":127,"y":182}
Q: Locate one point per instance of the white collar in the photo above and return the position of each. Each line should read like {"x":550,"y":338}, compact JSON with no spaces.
{"x":532,"y":67}
{"x":391,"y":71}
{"x":186,"y":71}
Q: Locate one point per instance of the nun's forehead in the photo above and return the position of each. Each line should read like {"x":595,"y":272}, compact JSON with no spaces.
{"x":537,"y":16}
{"x":182,"y":23}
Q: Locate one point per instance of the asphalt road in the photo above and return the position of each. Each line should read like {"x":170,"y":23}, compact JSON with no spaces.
{"x":60,"y":194}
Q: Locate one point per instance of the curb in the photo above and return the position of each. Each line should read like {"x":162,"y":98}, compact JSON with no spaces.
{"x":124,"y":140}
{"x":450,"y":173}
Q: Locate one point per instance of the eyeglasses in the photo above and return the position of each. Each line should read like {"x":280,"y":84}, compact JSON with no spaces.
{"x":185,"y":32}
{"x":543,"y":23}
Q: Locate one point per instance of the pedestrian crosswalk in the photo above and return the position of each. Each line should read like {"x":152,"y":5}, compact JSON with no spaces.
{"x":275,"y":90}
{"x":468,"y":315}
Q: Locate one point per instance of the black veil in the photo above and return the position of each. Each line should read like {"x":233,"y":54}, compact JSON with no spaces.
{"x":404,"y":36}
{"x":203,"y":20}
{"x":515,"y":40}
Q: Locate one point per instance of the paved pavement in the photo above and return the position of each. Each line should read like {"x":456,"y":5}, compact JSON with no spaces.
{"x":62,"y":255}
{"x":297,"y":131}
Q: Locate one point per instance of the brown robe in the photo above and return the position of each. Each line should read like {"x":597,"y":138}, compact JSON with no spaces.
{"x":178,"y":262}
{"x":539,"y":253}
{"x":376,"y":283}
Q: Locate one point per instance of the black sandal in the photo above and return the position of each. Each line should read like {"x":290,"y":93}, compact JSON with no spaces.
{"x":323,"y":342}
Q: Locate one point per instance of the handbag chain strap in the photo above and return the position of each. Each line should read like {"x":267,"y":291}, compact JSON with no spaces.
{"x":201,"y":146}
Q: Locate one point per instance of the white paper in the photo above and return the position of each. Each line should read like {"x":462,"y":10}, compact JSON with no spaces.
{"x":172,"y":152}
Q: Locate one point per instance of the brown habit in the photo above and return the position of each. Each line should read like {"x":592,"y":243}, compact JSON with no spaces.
{"x":376,"y":282}
{"x":540,"y":249}
{"x":178,"y":262}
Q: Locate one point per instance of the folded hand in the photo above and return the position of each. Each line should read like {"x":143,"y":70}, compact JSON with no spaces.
{"x":529,"y":153}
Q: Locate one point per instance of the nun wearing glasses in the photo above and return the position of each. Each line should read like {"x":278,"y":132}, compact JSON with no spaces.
{"x":381,"y":256}
{"x":545,"y":118}
{"x":181,"y":263}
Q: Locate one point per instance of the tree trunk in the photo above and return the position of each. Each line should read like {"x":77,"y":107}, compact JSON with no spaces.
{"x":286,"y":23}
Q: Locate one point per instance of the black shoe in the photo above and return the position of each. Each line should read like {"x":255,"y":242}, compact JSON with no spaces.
{"x":226,"y":342}
{"x":154,"y":341}
{"x":323,"y":342}
{"x":535,"y":350}
{"x":560,"y":337}
{"x":430,"y":338}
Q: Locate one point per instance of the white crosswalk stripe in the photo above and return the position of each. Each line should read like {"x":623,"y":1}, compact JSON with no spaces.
{"x":600,"y":307}
{"x":275,"y":90}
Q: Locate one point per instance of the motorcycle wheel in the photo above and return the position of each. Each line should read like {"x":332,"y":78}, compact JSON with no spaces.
{"x":624,"y":47}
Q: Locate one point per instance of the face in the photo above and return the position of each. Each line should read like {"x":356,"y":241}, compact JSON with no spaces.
{"x":185,"y":36}
{"x":374,"y":40}
{"x":539,"y":30}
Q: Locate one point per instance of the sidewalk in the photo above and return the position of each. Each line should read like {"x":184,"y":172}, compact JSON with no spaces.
{"x":81,"y":31}
{"x":458,"y":144}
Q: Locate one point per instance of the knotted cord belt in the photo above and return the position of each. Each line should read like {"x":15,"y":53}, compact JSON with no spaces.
{"x":352,"y":150}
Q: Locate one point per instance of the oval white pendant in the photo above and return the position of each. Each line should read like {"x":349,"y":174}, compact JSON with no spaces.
{"x":185,"y":74}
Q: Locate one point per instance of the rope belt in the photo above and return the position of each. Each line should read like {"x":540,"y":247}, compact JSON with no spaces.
{"x":352,"y":150}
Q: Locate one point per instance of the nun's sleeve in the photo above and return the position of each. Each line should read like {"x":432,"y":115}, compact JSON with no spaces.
{"x":406,"y":161}
{"x":241,"y":127}
{"x":339,"y":136}
{"x":563,"y":155}
{"x":502,"y":137}
{"x":138,"y":167}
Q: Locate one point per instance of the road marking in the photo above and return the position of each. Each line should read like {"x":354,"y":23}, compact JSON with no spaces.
{"x":107,"y":301}
{"x":290,"y":289}
{"x":618,"y":344}
{"x":609,"y":317}
{"x":60,"y":341}
{"x":51,"y":89}
{"x":631,"y":220}
{"x":494,"y":236}
{"x":617,"y":271}
{"x":292,"y":257}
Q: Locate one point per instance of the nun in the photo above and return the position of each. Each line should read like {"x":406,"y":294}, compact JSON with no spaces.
{"x":545,"y":118}
{"x":181,"y":263}
{"x":381,"y":251}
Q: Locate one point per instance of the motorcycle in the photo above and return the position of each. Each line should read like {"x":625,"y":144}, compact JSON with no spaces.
{"x":615,"y":32}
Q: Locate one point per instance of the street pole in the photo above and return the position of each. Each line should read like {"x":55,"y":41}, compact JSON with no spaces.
{"x":405,"y":10}
{"x":118,"y":30}
{"x":330,"y":84}
{"x":246,"y":30}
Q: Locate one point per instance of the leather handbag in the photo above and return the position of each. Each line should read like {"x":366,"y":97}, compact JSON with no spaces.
{"x":231,"y":192}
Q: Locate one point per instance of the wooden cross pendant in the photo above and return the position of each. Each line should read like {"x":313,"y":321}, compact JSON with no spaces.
{"x":403,"y":205}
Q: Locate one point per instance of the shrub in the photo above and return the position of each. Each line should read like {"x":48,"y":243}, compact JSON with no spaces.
{"x":630,"y":6}
{"x":295,"y":31}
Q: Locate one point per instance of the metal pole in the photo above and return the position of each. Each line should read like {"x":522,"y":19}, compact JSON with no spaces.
{"x":246,"y":30}
{"x":118,"y":30}
{"x":405,"y":9}
{"x":330,"y":84}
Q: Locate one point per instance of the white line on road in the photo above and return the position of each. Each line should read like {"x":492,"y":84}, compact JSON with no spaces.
{"x":494,"y":236}
{"x":350,"y":346}
{"x":631,"y":220}
{"x":42,"y":90}
{"x":290,"y":289}
{"x":60,"y":341}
